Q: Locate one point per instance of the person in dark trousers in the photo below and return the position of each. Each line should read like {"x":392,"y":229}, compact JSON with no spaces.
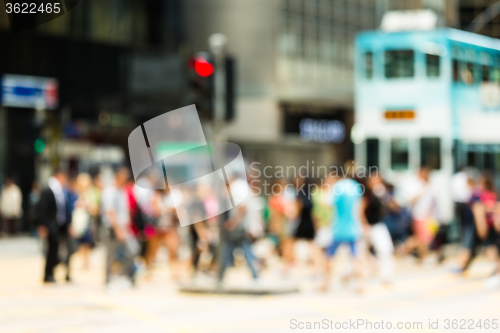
{"x":480,"y":228}
{"x":53,"y":224}
{"x":121,"y":244}
{"x":306,"y":229}
{"x":233,"y":234}
{"x":34,"y":198}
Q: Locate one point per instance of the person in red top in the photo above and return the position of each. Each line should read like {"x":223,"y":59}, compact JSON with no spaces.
{"x":132,"y":205}
{"x":282,"y":213}
{"x":494,"y":281}
{"x":488,"y":197}
{"x":483,"y":206}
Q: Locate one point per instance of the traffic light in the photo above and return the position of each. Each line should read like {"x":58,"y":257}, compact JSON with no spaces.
{"x":39,"y":145}
{"x":201,"y":83}
{"x":202,"y":67}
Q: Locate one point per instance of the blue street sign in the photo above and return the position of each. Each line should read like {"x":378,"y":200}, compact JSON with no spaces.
{"x":29,"y":92}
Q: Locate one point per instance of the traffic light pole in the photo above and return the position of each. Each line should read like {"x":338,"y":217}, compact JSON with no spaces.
{"x":217,"y":44}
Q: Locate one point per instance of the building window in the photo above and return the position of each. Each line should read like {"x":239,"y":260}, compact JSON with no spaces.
{"x":432,"y":65}
{"x":372,"y":153}
{"x":320,"y":33}
{"x":399,"y":154}
{"x":430,"y":153}
{"x":369,"y":64}
{"x":399,"y":63}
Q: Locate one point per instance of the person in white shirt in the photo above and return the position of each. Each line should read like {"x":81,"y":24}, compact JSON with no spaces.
{"x":460,"y":189}
{"x":461,"y":193}
{"x":10,"y":207}
{"x":423,"y":203}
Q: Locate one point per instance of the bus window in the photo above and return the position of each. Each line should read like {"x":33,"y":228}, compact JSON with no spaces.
{"x":497,"y":162}
{"x":457,"y":164}
{"x":432,"y":63}
{"x":489,"y":162}
{"x":471,"y":159}
{"x":399,"y":63}
{"x":495,"y":75}
{"x":369,"y":64}
{"x":469,"y":73}
{"x":486,"y":73}
{"x":455,"y":70}
{"x":430,"y":152}
{"x":399,"y":154}
{"x":462,"y":72}
{"x":371,"y":153}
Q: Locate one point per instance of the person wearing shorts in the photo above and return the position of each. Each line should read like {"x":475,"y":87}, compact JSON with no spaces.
{"x":332,"y":249}
{"x":346,"y":224}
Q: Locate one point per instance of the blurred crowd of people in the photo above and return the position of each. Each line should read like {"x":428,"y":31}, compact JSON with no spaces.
{"x":368,"y":216}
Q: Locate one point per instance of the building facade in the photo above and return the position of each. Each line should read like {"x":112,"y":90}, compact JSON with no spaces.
{"x":295,"y":70}
{"x":116,"y":63}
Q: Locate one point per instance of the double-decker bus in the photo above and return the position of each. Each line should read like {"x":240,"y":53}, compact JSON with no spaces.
{"x":427,"y":98}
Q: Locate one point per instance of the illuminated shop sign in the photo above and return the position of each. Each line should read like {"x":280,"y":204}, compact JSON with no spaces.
{"x":321,"y":130}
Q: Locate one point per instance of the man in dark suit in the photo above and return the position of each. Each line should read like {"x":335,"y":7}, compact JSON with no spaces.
{"x":53,"y":222}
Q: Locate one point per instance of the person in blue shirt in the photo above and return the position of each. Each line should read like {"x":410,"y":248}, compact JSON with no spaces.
{"x":346,"y":223}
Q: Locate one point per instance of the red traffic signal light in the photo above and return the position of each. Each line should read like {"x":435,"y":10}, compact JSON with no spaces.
{"x":202,"y":67}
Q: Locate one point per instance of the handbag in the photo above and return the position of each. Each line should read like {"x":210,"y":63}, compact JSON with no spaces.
{"x":324,"y":237}
{"x":432,"y":225}
{"x":80,"y":220}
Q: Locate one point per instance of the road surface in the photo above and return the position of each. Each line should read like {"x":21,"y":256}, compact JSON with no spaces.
{"x":421,"y":294}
